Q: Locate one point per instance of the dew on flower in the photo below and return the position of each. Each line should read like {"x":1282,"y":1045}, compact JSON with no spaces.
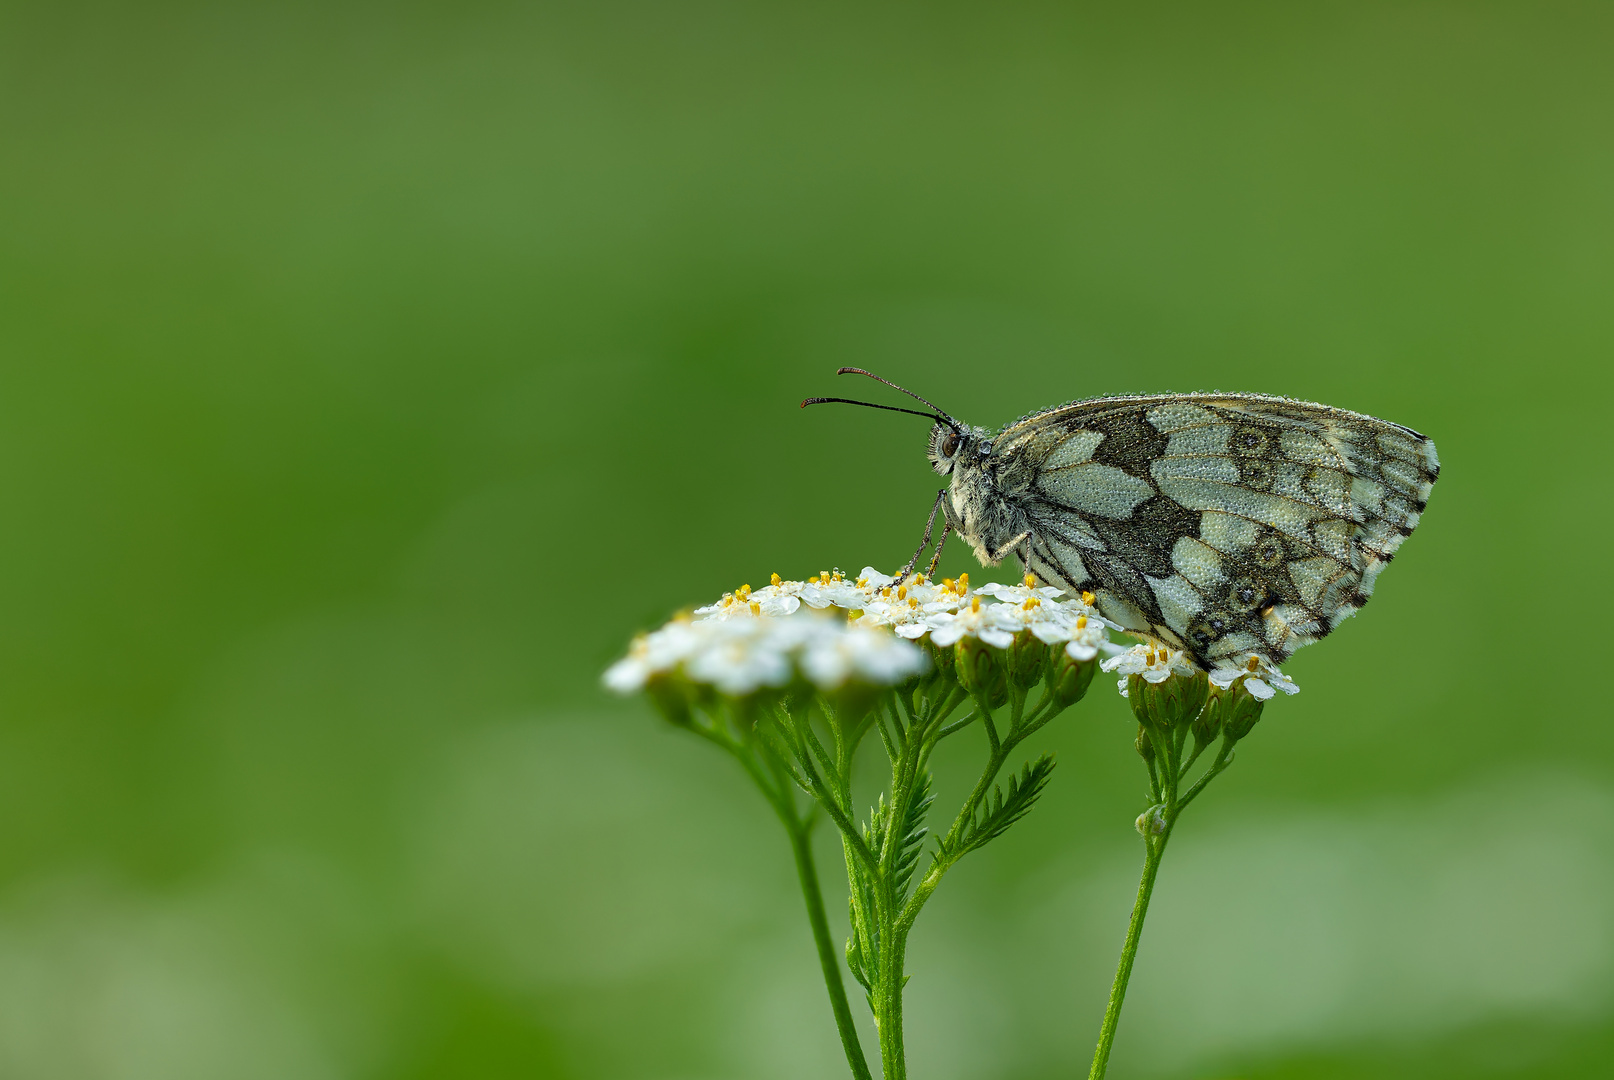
{"x":1260,"y":677}
{"x":1154,"y":661}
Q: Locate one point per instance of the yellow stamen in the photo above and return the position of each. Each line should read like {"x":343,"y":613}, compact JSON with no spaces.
{"x":1255,"y":663}
{"x":902,"y":592}
{"x":1031,"y":581}
{"x":776,"y":579}
{"x":963,"y":582}
{"x":947,"y":583}
{"x":1087,"y":598}
{"x":1081,"y":622}
{"x":975,"y":603}
{"x":745,"y":592}
{"x":1031,"y":602}
{"x":823,"y":575}
{"x":728,"y":598}
{"x":913,"y":602}
{"x":756,"y":608}
{"x":862,"y":582}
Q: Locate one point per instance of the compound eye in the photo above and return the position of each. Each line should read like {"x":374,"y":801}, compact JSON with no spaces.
{"x":949,"y":444}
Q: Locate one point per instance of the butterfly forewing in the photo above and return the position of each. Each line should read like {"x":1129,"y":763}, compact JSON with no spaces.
{"x":1222,"y":523}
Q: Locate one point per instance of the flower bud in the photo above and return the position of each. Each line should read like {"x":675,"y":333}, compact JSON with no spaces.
{"x":672,"y":698}
{"x":1028,"y":659}
{"x":1150,"y":822}
{"x":1144,"y":745}
{"x":1176,"y":700}
{"x":981,"y":670}
{"x":1208,"y":724}
{"x":1237,"y":708}
{"x":1070,"y":678}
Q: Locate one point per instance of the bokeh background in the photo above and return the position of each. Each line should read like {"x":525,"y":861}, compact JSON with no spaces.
{"x":369,"y":373}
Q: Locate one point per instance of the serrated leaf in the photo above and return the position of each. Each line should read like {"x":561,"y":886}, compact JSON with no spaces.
{"x":913,"y":833}
{"x":1000,"y":810}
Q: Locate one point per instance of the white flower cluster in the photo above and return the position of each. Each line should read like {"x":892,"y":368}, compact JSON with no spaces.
{"x":1261,"y":678}
{"x":947,"y":610}
{"x":755,"y":638}
{"x":741,"y":656}
{"x":1156,"y":663}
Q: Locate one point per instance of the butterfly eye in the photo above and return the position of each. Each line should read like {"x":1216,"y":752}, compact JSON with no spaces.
{"x":949,"y":444}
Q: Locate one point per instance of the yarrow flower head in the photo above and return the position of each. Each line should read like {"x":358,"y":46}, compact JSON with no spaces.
{"x":1153,"y":661}
{"x":1258,"y":676}
{"x":909,"y":606}
{"x":739,"y":655}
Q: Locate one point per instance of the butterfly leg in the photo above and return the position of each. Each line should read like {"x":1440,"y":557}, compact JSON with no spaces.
{"x":923,"y":544}
{"x":1008,"y":549}
{"x":935,"y":560}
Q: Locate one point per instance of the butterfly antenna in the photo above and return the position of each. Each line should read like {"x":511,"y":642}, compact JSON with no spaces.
{"x":871,"y":405}
{"x":859,"y":371}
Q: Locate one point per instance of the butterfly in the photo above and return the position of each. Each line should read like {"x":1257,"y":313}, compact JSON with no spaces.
{"x":1224,"y":525}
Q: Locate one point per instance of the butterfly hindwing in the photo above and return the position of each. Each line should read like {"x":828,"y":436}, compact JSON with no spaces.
{"x":1222,"y":523}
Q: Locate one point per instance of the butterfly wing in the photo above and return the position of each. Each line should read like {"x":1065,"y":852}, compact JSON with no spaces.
{"x":1221,"y":523}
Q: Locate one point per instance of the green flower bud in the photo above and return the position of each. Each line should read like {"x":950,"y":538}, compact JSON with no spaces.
{"x":1175,"y":701}
{"x":1028,"y":659}
{"x":1150,"y":822}
{"x":1144,"y":745}
{"x":981,"y":670}
{"x":1070,"y":678}
{"x":1208,"y":724}
{"x":1239,"y":710}
{"x":672,"y":698}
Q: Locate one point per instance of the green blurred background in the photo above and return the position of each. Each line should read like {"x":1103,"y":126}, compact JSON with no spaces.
{"x":369,"y":373}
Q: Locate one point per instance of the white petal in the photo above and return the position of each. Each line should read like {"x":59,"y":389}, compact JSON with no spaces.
{"x":1076,"y":650}
{"x":626,"y":676}
{"x":1259,"y":690}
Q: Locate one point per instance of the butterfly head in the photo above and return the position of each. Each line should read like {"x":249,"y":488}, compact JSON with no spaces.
{"x":952,"y":443}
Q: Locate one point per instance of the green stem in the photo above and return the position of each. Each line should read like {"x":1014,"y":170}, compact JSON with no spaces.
{"x":1153,"y":850}
{"x":893,"y":1055}
{"x":801,"y":844}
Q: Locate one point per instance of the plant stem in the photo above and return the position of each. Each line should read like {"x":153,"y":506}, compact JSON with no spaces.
{"x":1154,"y":848}
{"x":801,"y":844}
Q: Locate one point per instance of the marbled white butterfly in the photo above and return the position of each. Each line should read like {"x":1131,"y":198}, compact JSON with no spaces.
{"x":1222,"y":524}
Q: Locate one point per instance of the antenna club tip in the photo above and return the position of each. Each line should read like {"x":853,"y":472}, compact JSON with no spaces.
{"x":848,"y":371}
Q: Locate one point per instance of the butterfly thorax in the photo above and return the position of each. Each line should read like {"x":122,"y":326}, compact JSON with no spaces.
{"x":981,"y":506}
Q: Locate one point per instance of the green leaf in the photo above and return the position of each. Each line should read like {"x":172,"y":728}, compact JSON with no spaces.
{"x":913,"y":833}
{"x":999,"y":811}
